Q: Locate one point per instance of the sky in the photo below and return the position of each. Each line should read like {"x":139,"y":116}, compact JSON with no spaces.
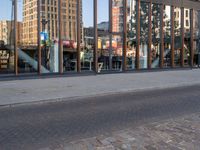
{"x":6,"y":7}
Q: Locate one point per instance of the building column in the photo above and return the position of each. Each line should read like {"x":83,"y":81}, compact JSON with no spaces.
{"x":38,"y":36}
{"x":172,"y":36}
{"x":15,"y":37}
{"x":60,"y":36}
{"x":162,"y":36}
{"x":182,"y":36}
{"x":95,"y":38}
{"x":124,"y":35}
{"x":137,"y":34}
{"x":110,"y":33}
{"x":191,"y":37}
{"x":149,"y":35}
{"x":78,"y":36}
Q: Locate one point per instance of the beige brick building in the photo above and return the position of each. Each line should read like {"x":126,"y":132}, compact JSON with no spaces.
{"x":49,"y":11}
{"x":6,"y":32}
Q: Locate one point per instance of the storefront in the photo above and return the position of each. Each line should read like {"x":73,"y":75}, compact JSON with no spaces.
{"x":137,"y":34}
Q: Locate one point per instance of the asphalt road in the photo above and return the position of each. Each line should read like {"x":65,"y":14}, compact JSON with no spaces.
{"x":39,"y":126}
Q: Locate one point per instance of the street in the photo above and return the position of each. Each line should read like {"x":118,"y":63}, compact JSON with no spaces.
{"x":46,"y":125}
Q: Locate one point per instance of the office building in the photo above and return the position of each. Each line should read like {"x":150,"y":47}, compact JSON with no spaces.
{"x":49,"y":15}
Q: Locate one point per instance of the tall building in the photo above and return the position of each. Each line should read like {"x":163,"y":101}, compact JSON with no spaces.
{"x":6,"y":32}
{"x":117,"y":15}
{"x":49,"y":12}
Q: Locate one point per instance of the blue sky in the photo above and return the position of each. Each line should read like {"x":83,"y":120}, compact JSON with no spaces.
{"x":87,"y":11}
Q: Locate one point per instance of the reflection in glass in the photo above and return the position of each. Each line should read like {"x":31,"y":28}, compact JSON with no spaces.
{"x":196,"y":24}
{"x":155,"y":48}
{"x":143,"y":34}
{"x":88,"y":36}
{"x":103,"y":52}
{"x":6,"y":46}
{"x":177,"y":36}
{"x":27,"y":47}
{"x":104,"y":49}
{"x":131,"y":34}
{"x":70,"y":36}
{"x":103,"y":15}
{"x":167,"y":36}
{"x":187,"y":37}
{"x":7,"y":42}
{"x":117,"y":15}
{"x":117,"y":50}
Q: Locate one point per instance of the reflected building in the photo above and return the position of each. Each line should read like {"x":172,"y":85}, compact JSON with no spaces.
{"x":49,"y":12}
{"x":6,"y":32}
{"x":159,"y":34}
{"x":117,"y":15}
{"x":177,"y":15}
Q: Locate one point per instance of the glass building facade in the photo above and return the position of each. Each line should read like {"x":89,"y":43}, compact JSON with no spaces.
{"x":132,"y":35}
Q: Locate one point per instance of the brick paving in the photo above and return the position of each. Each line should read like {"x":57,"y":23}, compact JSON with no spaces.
{"x":114,"y":121}
{"x":174,"y":134}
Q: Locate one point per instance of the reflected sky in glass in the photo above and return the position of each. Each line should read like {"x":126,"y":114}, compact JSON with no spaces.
{"x":6,"y":7}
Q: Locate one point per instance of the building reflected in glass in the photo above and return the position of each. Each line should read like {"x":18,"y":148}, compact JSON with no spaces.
{"x":106,"y":35}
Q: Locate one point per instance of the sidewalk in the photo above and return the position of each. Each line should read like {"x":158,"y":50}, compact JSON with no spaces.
{"x":35,"y":90}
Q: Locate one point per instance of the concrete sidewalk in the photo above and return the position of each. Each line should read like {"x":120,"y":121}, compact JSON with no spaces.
{"x":42,"y":90}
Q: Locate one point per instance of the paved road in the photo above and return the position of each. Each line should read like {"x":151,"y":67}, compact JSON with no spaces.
{"x":40,"y":126}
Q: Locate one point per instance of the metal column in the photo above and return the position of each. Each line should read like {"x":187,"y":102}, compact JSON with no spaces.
{"x":124,"y":34}
{"x":149,"y":35}
{"x":110,"y":34}
{"x":172,"y":36}
{"x":182,"y":36}
{"x":15,"y":37}
{"x":161,"y":37}
{"x":137,"y":34}
{"x":191,"y":37}
{"x":95,"y":38}
{"x":78,"y":36}
{"x":60,"y":26}
{"x":38,"y":36}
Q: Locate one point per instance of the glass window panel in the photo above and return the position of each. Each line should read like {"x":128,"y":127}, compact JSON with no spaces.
{"x":187,"y":37}
{"x":155,"y":48}
{"x":131,"y":34}
{"x":88,"y":36}
{"x":70,"y":36}
{"x":6,"y":38}
{"x":103,"y":52}
{"x":177,"y":36}
{"x":103,"y":15}
{"x":143,"y":34}
{"x":49,"y":44}
{"x":27,"y":47}
{"x":196,"y":24}
{"x":117,"y":15}
{"x":117,"y":52}
{"x":167,"y":36}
